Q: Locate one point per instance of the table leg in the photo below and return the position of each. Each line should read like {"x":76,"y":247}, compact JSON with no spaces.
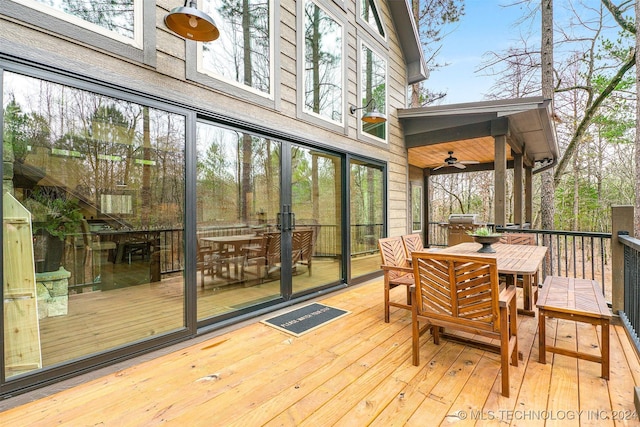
{"x":605,"y":349}
{"x":527,"y":299}
{"x":542,"y":337}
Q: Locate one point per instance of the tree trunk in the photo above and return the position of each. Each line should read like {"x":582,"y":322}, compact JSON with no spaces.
{"x":415,"y":88}
{"x":636,"y":216}
{"x":547,"y":187}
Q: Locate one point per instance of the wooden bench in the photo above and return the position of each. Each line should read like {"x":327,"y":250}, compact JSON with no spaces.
{"x":580,"y":300}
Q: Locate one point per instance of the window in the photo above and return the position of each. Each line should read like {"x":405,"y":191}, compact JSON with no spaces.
{"x":101,"y":181}
{"x":416,"y":207}
{"x":367,"y":211}
{"x":369,"y":13}
{"x":243,"y":52}
{"x":119,"y":19}
{"x":373,"y":92}
{"x":323,"y":72}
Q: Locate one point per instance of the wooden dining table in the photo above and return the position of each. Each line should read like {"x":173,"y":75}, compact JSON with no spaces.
{"x":234,"y":245}
{"x":512,"y":260}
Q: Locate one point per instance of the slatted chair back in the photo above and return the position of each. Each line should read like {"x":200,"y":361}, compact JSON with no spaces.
{"x":462,"y":293}
{"x":393,"y":254}
{"x":460,"y":290}
{"x":412,"y":242}
{"x":518,"y":239}
{"x":529,"y":283}
{"x":303,"y":246}
{"x":397,"y":272}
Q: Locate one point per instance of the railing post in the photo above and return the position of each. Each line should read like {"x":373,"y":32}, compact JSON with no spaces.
{"x":621,"y":220}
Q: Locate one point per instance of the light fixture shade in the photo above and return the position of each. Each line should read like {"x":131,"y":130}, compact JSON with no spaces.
{"x":374,"y":116}
{"x":192,"y":24}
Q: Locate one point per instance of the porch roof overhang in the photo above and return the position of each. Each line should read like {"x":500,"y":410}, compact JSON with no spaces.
{"x":469,"y":130}
{"x":409,"y":40}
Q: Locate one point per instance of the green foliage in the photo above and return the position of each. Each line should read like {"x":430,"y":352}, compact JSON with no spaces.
{"x":482,"y":231}
{"x":57,"y":215}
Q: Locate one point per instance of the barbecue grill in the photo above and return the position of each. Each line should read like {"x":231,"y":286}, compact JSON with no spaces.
{"x":458,"y":227}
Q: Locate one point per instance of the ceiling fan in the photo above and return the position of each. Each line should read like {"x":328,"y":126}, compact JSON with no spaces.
{"x":452,"y":161}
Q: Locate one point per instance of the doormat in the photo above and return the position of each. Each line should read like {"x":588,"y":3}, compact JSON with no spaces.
{"x":305,"y":319}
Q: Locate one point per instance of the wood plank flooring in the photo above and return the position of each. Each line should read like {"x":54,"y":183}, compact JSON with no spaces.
{"x":355,"y":371}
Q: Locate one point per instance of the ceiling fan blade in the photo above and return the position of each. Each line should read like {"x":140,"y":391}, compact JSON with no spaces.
{"x":469,"y":162}
{"x":459,"y":165}
{"x":441,"y":166}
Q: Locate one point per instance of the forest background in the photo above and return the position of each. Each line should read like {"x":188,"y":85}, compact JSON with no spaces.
{"x":594,"y":106}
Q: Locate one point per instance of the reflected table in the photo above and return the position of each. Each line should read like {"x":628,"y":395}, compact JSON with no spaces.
{"x":232,"y":246}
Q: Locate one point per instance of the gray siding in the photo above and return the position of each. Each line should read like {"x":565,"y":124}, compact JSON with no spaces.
{"x":165,"y":76}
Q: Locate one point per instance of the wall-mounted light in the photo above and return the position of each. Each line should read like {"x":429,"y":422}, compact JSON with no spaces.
{"x":191,"y":23}
{"x":372,"y":116}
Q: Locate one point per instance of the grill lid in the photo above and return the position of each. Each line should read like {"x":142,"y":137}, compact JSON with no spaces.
{"x":463,"y":219}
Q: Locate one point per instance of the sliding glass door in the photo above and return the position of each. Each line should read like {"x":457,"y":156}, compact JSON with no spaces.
{"x":316,"y":202}
{"x":259,"y":241}
{"x":92,"y":223}
{"x":237,"y":205}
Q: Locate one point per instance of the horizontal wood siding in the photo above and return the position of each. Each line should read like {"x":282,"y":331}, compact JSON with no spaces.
{"x":167,"y":80}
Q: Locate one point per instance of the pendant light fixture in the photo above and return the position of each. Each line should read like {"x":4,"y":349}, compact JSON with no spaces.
{"x":373,"y":116}
{"x":191,"y":23}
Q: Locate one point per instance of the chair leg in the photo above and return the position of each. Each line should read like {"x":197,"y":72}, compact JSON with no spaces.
{"x":415,"y":334}
{"x":513,"y":330}
{"x":386,"y":300}
{"x":504,"y":349}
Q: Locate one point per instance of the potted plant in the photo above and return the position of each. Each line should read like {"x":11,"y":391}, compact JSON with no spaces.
{"x":54,"y":217}
{"x":486,"y":238}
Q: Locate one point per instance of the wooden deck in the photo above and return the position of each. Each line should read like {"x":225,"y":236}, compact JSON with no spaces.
{"x":355,"y":371}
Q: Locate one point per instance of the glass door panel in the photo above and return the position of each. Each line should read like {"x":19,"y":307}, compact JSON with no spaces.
{"x":93,"y":223}
{"x":316,"y":241}
{"x":238,"y":200}
{"x":367,"y":216}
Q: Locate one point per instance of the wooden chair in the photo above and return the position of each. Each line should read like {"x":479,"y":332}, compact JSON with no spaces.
{"x":266,"y":257}
{"x":255,"y":255}
{"x":208,"y":261}
{"x":397,"y":271}
{"x":303,"y":245}
{"x":94,"y":250}
{"x":412,"y":242}
{"x":523,"y":239}
{"x":462,"y":293}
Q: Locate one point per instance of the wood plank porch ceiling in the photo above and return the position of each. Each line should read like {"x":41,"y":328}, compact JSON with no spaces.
{"x":469,"y":130}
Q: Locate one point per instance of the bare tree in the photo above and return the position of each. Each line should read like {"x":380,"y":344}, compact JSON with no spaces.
{"x":547,"y":189}
{"x":431,"y":17}
{"x":636,"y":217}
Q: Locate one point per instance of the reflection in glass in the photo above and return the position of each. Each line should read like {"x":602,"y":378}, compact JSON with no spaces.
{"x":115,"y":15}
{"x":374,"y":87}
{"x":242,"y":53}
{"x":416,"y":208}
{"x":323,"y":63}
{"x":369,"y":12}
{"x":238,"y":198}
{"x":367,"y":217}
{"x":316,"y":203}
{"x":103,"y":182}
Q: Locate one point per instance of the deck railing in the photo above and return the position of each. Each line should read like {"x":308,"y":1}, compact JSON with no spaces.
{"x":630,"y":316}
{"x":585,"y":255}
